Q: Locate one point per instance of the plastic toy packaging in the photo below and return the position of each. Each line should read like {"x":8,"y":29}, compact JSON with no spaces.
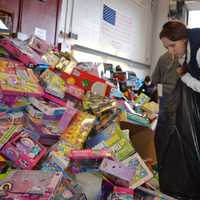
{"x":120,"y":193}
{"x":19,"y":81}
{"x":67,"y":117}
{"x":31,"y":185}
{"x":51,"y":58}
{"x":142,"y":193}
{"x":138,"y":119}
{"x":58,"y":159}
{"x":119,"y":145}
{"x":87,"y":82}
{"x":89,"y":67}
{"x":69,"y":190}
{"x":98,"y":104}
{"x":60,"y":154}
{"x":66,"y":65}
{"x":11,"y":103}
{"x":105,"y":119}
{"x":142,"y":172}
{"x":142,"y":98}
{"x":116,"y":172}
{"x":79,"y":129}
{"x":53,"y":83}
{"x":46,"y":131}
{"x":151,"y":107}
{"x":21,"y":51}
{"x":39,"y":45}
{"x":87,"y":160}
{"x":23,"y":150}
{"x":7,"y":130}
{"x":75,"y":91}
{"x":49,"y":108}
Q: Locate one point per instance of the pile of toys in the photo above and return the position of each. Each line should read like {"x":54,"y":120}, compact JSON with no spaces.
{"x":58,"y":120}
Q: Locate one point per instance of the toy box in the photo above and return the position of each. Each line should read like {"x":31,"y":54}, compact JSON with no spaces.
{"x":31,"y":184}
{"x":97,"y":103}
{"x":66,"y":64}
{"x":2,"y":162}
{"x":69,"y":190}
{"x":138,"y":119}
{"x":91,"y":68}
{"x":56,"y":86}
{"x":79,"y":129}
{"x":45,"y":130}
{"x":101,"y":136}
{"x":142,"y":98}
{"x":23,"y":151}
{"x":48,"y":108}
{"x":151,"y":107}
{"x":122,"y":194}
{"x":10,"y":64}
{"x":87,"y":82}
{"x":9,"y":104}
{"x":19,"y":81}
{"x":7,"y":130}
{"x":88,"y":160}
{"x":142,"y":173}
{"x":51,"y":58}
{"x":39,"y":45}
{"x":118,"y":144}
{"x":142,"y":193}
{"x":106,"y":189}
{"x":58,"y":159}
{"x":105,"y":119}
{"x":50,"y":166}
{"x":75,"y":91}
{"x":60,"y":154}
{"x":53,"y":83}
{"x":67,"y":117}
{"x":117,"y":172}
{"x":62,"y":61}
{"x":34,"y":112}
{"x":21,"y":51}
{"x":54,"y":99}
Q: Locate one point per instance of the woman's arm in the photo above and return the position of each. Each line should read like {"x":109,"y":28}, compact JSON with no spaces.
{"x":191,"y":82}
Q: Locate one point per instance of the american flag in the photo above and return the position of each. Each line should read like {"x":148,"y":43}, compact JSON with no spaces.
{"x":109,"y":15}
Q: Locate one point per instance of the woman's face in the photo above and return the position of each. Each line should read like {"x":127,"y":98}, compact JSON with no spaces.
{"x":175,"y":48}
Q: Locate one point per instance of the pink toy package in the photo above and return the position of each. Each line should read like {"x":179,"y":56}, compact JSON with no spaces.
{"x":90,"y":154}
{"x":122,"y":193}
{"x":54,"y":99}
{"x":23,"y":151}
{"x":21,"y":51}
{"x":88,"y":160}
{"x":31,"y":184}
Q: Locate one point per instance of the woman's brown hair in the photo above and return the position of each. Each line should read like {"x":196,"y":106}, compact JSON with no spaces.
{"x":174,"y":30}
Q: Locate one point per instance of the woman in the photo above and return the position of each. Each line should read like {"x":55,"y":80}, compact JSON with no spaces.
{"x":178,"y":132}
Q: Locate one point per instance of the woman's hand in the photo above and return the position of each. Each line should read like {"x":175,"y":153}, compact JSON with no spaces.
{"x":181,"y":70}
